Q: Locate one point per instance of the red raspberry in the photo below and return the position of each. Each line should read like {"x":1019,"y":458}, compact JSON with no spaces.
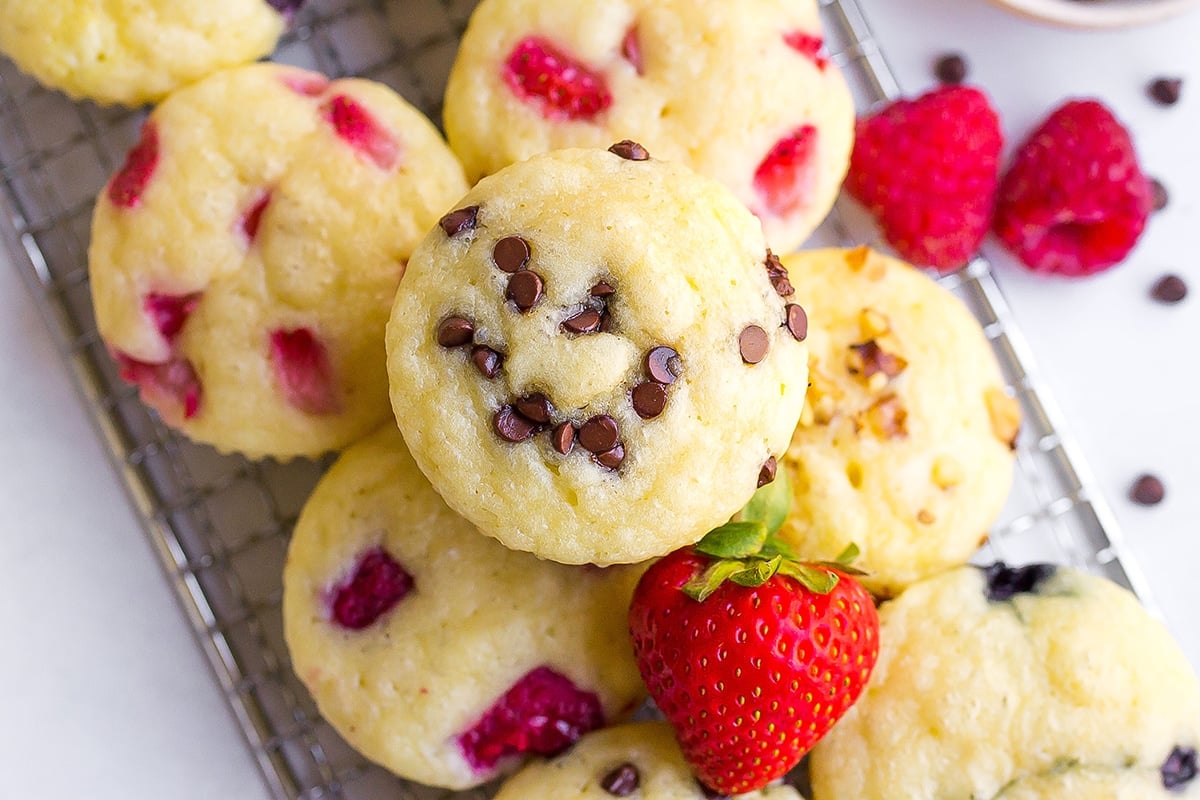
{"x":1075,"y":200}
{"x":126,"y":187}
{"x":927,"y":170}
{"x":567,"y":89}
{"x":360,"y":130}
{"x":302,"y":369}
{"x":170,"y":311}
{"x":377,"y":585}
{"x":813,"y":47}
{"x":785,"y":176}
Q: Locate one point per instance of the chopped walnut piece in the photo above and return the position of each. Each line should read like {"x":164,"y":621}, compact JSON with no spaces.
{"x":1005,"y":414}
{"x":868,"y":359}
{"x":926,"y":517}
{"x":947,"y":472}
{"x":873,"y":324}
{"x":888,"y":418}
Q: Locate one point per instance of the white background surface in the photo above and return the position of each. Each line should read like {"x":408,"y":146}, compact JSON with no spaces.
{"x":106,"y":695}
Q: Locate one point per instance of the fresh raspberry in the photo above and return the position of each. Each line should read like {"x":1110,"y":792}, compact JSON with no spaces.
{"x":360,"y":130}
{"x":302,"y":370}
{"x":169,"y":312}
{"x":377,"y":585}
{"x":808,"y":45}
{"x":173,"y":388}
{"x":927,"y":170}
{"x":1075,"y":200}
{"x":537,"y":70}
{"x":543,"y":713}
{"x":784,"y":178}
{"x":126,"y":187}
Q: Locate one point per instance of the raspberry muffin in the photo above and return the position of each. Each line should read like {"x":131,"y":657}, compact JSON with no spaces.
{"x":905,"y":447}
{"x":638,"y":760}
{"x":589,"y":357}
{"x":136,"y":51}
{"x":740,"y":92}
{"x":435,"y":651}
{"x":1032,"y":682}
{"x":244,"y":258}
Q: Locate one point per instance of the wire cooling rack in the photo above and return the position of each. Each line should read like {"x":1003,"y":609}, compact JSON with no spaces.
{"x":221,"y":524}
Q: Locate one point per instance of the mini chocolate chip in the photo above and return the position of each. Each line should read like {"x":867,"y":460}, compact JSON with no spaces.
{"x":611,"y":458}
{"x":950,"y":68}
{"x":524,"y":289}
{"x":629,"y":150}
{"x":599,"y":433}
{"x":535,"y":408}
{"x":663,"y":365}
{"x":1160,"y":194}
{"x":511,"y":253}
{"x":1169,"y":289}
{"x":460,"y":220}
{"x":1180,"y":768}
{"x":602,"y":289}
{"x":1165,"y":91}
{"x":1147,"y":490}
{"x":511,"y":426}
{"x":778,"y":275}
{"x":455,"y":332}
{"x":622,"y":781}
{"x":563,"y":437}
{"x":486,"y":360}
{"x":767,"y":473}
{"x":753,"y":343}
{"x":1005,"y":582}
{"x":797,"y":321}
{"x":586,"y":321}
{"x":649,"y":399}
{"x":605,"y":322}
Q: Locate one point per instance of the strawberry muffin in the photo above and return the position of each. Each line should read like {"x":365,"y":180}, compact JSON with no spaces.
{"x":905,"y":447}
{"x":590,"y":359}
{"x":741,"y":92}
{"x":639,"y":760}
{"x":136,"y":51}
{"x":435,"y":651}
{"x":244,"y":258}
{"x":1030,"y":682}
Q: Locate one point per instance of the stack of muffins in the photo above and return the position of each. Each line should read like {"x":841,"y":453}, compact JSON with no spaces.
{"x":589,"y":359}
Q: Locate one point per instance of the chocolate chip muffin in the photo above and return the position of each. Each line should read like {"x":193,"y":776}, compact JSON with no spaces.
{"x":905,"y":447}
{"x":244,"y":259}
{"x":590,"y":359}
{"x":434,"y":650}
{"x":741,"y":92}
{"x":1033,"y":682}
{"x":639,"y":760}
{"x":136,"y":51}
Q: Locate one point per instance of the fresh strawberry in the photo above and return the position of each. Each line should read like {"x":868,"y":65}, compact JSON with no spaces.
{"x":751,"y":654}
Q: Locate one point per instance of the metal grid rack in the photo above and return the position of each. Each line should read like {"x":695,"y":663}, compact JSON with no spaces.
{"x":221,"y":524}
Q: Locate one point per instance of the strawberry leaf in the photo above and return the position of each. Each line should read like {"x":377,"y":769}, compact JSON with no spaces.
{"x":816,"y":579}
{"x":758,"y":573}
{"x":770,"y":504}
{"x":848,"y":555}
{"x":733,"y":540}
{"x":776,"y":546}
{"x":700,"y":587}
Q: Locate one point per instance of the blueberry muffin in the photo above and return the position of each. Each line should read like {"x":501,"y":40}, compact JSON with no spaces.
{"x":1031,"y":682}
{"x":435,"y":651}
{"x":244,"y":258}
{"x":741,"y":92}
{"x":136,"y":51}
{"x":905,"y":447}
{"x":589,"y":357}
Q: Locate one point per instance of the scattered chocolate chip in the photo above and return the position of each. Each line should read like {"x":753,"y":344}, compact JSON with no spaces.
{"x":778,"y":275}
{"x":622,"y":781}
{"x":1160,"y":194}
{"x":598,"y":434}
{"x":611,"y":458}
{"x":950,"y":68}
{"x":753,"y":343}
{"x":563,"y":437}
{"x":535,"y":408}
{"x":602,"y":289}
{"x":869,"y":358}
{"x":605,"y":322}
{"x":649,"y":399}
{"x":524,"y":289}
{"x":1147,"y":490}
{"x":1005,"y":582}
{"x":511,"y":426}
{"x":1169,"y":289}
{"x":1180,"y":768}
{"x":511,"y":253}
{"x":455,"y":332}
{"x":1165,"y":91}
{"x":586,"y":321}
{"x":797,"y":321}
{"x":629,"y":150}
{"x":663,"y":365}
{"x":460,"y":220}
{"x":486,"y":360}
{"x":767,"y":473}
